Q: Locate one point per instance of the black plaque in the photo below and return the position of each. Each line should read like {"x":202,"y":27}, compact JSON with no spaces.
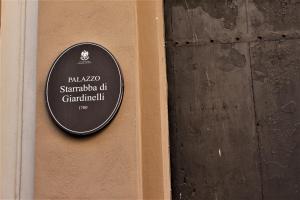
{"x":84,"y":89}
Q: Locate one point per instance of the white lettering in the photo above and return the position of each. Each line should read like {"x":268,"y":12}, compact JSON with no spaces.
{"x":78,"y":79}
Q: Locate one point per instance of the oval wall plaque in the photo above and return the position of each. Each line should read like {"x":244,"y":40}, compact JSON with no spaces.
{"x":84,"y":89}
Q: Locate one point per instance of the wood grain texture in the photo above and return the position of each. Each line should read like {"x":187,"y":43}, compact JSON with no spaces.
{"x":205,"y":20}
{"x":210,"y":102}
{"x":274,"y":20}
{"x":276,"y":73}
{"x":213,"y":141}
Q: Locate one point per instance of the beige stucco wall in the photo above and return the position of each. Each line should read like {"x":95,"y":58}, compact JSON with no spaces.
{"x":153,"y":99}
{"x":128,"y":159}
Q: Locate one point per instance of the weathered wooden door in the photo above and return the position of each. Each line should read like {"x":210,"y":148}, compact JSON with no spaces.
{"x":234,"y":93}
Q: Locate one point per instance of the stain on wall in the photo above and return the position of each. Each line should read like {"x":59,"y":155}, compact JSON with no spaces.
{"x":233,"y":75}
{"x":280,"y":15}
{"x":227,"y":10}
{"x":202,"y":21}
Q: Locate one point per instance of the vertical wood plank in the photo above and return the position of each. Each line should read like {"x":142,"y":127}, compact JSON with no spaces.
{"x":213,"y":141}
{"x":276,"y":73}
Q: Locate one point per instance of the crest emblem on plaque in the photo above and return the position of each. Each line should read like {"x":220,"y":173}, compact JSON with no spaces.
{"x":84,"y":55}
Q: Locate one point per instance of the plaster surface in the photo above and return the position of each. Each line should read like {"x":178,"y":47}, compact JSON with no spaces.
{"x":105,"y":166}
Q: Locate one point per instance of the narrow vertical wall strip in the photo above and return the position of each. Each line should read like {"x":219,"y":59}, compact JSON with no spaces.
{"x":12,"y":60}
{"x":138,"y":117}
{"x":153,"y":111}
{"x":163,"y":100}
{"x":29,"y":99}
{"x":21,"y":99}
